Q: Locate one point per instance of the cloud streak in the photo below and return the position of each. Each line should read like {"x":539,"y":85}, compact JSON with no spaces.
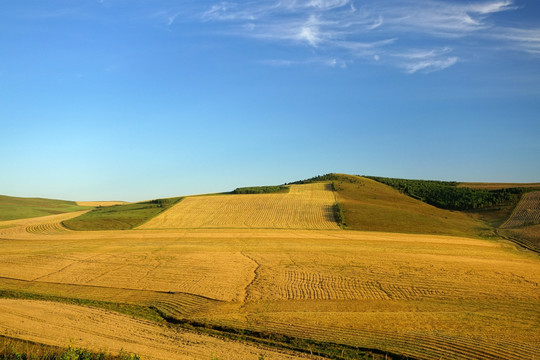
{"x":390,"y":32}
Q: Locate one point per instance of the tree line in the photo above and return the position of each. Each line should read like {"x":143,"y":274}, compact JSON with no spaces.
{"x":447,"y":195}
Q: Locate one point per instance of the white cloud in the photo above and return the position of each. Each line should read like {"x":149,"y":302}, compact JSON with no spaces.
{"x":491,"y":7}
{"x":310,"y":32}
{"x":228,"y":11}
{"x":527,"y":40}
{"x":328,"y":4}
{"x":441,"y":18}
{"x":430,"y":65}
{"x":329,"y":62}
{"x":388,"y":32}
{"x":172,"y":18}
{"x":376,"y":24}
{"x":425,"y":60}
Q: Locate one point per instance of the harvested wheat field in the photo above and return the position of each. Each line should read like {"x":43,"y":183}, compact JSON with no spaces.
{"x":306,"y":206}
{"x":421,"y":296}
{"x":62,"y":324}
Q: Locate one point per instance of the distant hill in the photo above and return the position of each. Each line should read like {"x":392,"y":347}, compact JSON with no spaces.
{"x":362,"y":203}
{"x":12,"y":208}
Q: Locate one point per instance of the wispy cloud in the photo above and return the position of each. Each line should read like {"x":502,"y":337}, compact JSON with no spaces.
{"x":527,"y":40}
{"x":441,"y":18}
{"x":327,"y":62}
{"x":391,"y":32}
{"x":426,"y":61}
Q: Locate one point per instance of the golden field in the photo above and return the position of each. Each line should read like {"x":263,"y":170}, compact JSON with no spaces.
{"x":421,"y":296}
{"x":306,"y":206}
{"x":60,"y":324}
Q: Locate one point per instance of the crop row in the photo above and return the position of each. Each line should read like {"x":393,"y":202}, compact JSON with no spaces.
{"x":526,"y":213}
{"x":304,"y":207}
{"x":417,"y":345}
{"x":303,"y":285}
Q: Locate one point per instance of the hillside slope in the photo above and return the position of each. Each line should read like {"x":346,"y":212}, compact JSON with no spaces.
{"x":303,"y":207}
{"x":12,"y":208}
{"x":369,"y":205}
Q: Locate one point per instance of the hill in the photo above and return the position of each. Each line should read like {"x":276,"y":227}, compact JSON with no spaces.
{"x":12,"y":208}
{"x":364,"y":203}
{"x":373,"y":206}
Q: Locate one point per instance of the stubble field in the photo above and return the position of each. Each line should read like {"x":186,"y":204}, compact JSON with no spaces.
{"x":527,"y":212}
{"x":303,"y":207}
{"x":422,"y":296}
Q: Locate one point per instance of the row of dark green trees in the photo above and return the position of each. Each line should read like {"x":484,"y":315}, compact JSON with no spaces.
{"x":261,"y":189}
{"x":447,"y":195}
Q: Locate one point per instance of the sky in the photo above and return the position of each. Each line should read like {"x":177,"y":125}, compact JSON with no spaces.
{"x":141,"y":99}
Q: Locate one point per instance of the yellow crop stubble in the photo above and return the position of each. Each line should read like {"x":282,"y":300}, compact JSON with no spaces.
{"x":304,"y":207}
{"x":97,"y":329}
{"x":424,"y":296}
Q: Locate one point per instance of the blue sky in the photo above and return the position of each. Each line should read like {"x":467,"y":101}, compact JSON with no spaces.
{"x":139,"y":99}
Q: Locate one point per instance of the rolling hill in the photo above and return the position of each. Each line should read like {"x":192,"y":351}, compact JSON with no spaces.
{"x":12,"y":208}
{"x":269,"y":270}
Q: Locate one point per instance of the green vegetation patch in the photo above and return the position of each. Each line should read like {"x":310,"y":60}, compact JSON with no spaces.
{"x":12,"y":208}
{"x":318,"y":178}
{"x":261,"y":189}
{"x":120,"y":217}
{"x":339,"y":215}
{"x":447,"y":194}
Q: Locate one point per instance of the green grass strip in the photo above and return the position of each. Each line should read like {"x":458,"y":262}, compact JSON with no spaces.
{"x":120,"y":217}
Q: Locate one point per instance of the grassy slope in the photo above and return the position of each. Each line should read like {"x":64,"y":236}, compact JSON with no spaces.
{"x":120,"y":217}
{"x":369,"y":205}
{"x":12,"y":208}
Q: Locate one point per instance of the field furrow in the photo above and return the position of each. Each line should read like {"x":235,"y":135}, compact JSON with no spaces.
{"x":47,"y":228}
{"x":527,"y":212}
{"x":304,"y":207}
{"x":419,"y":346}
